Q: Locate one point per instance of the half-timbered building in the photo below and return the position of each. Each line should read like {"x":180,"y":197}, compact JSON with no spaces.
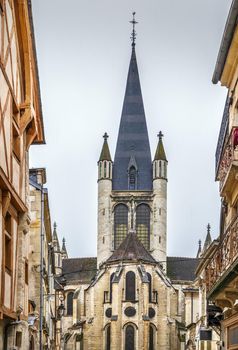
{"x":21,"y":125}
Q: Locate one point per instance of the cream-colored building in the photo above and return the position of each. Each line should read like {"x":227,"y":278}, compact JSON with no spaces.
{"x":40,"y":239}
{"x":221,"y":271}
{"x":131,"y":296}
{"x":21,"y":125}
{"x":203,"y":326}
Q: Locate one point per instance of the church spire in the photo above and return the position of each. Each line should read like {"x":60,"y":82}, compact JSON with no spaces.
{"x":133,"y":140}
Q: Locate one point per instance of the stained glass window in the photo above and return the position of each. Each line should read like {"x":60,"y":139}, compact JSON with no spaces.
{"x":108,"y":337}
{"x":120,"y":224}
{"x":130,"y":286}
{"x":143,"y":224}
{"x":151,"y":338}
{"x":111,"y":278}
{"x":150,"y":287}
{"x":130,"y":338}
{"x":70,"y":303}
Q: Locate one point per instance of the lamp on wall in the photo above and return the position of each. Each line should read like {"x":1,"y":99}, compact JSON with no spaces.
{"x":61,"y":308}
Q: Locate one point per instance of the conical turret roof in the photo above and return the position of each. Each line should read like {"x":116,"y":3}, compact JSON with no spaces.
{"x":131,"y":249}
{"x":160,"y":152}
{"x":133,"y":140}
{"x":105,"y":153}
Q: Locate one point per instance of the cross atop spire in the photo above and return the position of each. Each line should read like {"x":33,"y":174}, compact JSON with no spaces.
{"x":105,"y":136}
{"x":160,"y":135}
{"x":133,"y":34}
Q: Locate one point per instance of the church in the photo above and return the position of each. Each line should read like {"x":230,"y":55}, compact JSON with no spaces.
{"x":131,"y":296}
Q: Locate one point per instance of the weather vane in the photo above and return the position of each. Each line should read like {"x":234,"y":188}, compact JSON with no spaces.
{"x":133,"y":34}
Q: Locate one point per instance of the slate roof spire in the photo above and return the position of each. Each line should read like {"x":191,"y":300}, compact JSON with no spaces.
{"x":133,"y":140}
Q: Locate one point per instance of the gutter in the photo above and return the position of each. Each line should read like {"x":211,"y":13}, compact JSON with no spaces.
{"x":226,"y":41}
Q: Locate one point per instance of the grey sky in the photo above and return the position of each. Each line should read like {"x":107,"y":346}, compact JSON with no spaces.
{"x":83,"y":52}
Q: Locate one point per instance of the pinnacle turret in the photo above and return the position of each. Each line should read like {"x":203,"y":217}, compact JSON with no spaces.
{"x":199,"y":248}
{"x":208,"y":239}
{"x":63,"y":249}
{"x":105,"y":153}
{"x":160,"y":152}
{"x":105,"y":161}
{"x":160,"y":161}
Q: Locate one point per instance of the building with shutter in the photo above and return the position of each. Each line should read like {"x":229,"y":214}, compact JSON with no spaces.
{"x":21,"y":125}
{"x":221,"y":271}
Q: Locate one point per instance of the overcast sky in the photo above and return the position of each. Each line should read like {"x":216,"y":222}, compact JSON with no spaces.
{"x":83,"y":50}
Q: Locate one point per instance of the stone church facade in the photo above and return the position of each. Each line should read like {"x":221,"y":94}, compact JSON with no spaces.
{"x":131,"y":296}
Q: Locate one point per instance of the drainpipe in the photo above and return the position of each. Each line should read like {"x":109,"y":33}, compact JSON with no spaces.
{"x":41,"y":267}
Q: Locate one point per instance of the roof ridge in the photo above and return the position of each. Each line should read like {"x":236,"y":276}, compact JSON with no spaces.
{"x":89,"y":257}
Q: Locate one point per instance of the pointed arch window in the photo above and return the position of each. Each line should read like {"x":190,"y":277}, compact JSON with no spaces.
{"x":108,"y":337}
{"x":160,"y":168}
{"x":143,"y":224}
{"x":130,"y":286}
{"x":105,"y":169}
{"x":130,"y":338}
{"x":120,"y":224}
{"x":111,"y":279}
{"x":70,"y":296}
{"x":132,"y":178}
{"x":100,"y":170}
{"x":150,"y":287}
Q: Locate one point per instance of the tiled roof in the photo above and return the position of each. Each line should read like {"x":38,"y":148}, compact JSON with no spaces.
{"x":79,"y":269}
{"x":131,"y":249}
{"x":181,"y":268}
{"x":133,"y":140}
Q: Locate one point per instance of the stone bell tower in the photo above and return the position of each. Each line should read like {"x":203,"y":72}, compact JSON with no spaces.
{"x":132,"y":190}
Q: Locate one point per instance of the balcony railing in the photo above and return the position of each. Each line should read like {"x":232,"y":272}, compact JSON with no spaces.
{"x":229,"y":155}
{"x":223,"y":132}
{"x":224,"y":257}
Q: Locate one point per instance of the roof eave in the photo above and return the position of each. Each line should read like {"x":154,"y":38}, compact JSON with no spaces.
{"x":41,"y":139}
{"x":226,"y":41}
